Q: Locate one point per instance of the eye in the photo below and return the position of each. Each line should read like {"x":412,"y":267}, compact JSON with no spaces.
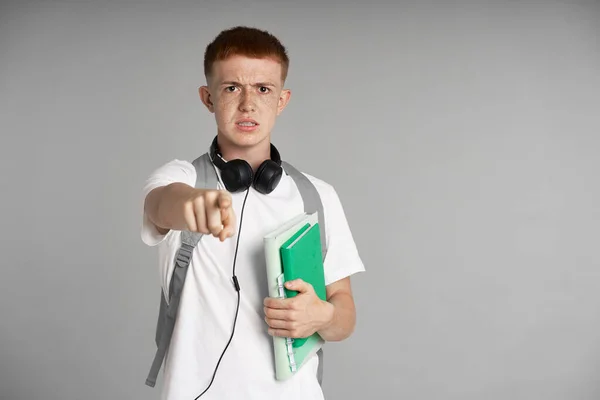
{"x":230,"y":89}
{"x":264,"y":89}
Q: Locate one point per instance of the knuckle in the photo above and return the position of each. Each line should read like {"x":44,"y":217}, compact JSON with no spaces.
{"x":188,"y":207}
{"x":210,"y":195}
{"x":198,"y":202}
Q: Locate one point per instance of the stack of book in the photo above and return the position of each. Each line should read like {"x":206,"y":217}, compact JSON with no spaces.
{"x":293,"y":251}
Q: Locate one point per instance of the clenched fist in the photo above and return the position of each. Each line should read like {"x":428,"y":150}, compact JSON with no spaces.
{"x":182,"y":207}
{"x":209,"y":212}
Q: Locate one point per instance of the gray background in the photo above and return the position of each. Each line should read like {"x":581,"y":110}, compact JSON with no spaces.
{"x":462,"y":138}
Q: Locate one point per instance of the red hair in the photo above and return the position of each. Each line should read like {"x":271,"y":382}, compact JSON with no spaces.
{"x":245,"y":41}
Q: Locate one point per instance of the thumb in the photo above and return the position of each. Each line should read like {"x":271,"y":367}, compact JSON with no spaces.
{"x":299,"y":285}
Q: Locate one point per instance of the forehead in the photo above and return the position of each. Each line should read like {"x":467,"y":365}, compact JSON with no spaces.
{"x":247,"y":70}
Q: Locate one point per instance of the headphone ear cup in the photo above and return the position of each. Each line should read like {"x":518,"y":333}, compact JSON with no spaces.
{"x":267,"y":177}
{"x":237,"y":175}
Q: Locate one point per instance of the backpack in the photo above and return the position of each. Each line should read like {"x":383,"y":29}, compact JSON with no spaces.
{"x":206,"y":177}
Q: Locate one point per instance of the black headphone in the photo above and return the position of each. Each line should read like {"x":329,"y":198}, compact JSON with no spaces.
{"x":237,"y":175}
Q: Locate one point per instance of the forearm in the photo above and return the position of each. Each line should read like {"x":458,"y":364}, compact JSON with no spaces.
{"x":343,"y":318}
{"x":162,"y":205}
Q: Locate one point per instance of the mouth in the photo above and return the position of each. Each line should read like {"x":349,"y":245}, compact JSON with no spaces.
{"x":247,"y":123}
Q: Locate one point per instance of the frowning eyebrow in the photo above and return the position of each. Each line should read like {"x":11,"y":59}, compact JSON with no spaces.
{"x":257,"y":84}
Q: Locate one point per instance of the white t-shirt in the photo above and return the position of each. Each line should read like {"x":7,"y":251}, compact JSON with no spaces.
{"x":208,"y":300}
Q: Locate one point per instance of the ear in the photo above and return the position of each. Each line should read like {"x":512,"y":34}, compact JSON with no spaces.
{"x":284,"y":98}
{"x":206,"y":98}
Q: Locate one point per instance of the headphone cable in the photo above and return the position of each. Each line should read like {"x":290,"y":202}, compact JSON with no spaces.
{"x":237,"y":288}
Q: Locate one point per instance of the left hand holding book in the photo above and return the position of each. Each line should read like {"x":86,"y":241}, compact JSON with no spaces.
{"x":299,"y":316}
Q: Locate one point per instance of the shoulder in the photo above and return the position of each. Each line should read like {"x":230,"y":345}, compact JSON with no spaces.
{"x":332,"y":205}
{"x":342,"y":259}
{"x":326,"y":190}
{"x":175,"y":169}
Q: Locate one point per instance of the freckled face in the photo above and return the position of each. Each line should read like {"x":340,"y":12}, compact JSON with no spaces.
{"x":246,"y":95}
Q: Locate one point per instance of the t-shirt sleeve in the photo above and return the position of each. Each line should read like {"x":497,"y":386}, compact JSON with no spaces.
{"x":171,"y":172}
{"x":342,"y":258}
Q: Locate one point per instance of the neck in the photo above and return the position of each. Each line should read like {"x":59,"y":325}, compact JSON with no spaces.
{"x":253,"y":155}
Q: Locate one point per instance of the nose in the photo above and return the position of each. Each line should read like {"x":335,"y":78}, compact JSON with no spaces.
{"x":247,"y":103}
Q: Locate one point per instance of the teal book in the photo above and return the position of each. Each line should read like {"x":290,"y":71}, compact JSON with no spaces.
{"x":291,"y":252}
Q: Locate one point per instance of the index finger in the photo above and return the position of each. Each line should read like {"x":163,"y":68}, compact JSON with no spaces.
{"x":224,"y":199}
{"x":227,"y":216}
{"x":228,"y":220}
{"x":281,"y":304}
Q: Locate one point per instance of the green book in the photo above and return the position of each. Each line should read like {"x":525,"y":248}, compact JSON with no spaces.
{"x":301,"y":257}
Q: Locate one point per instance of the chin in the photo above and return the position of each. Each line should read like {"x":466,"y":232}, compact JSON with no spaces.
{"x":245,"y":139}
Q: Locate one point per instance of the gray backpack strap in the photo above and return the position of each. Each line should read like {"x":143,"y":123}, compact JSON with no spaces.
{"x":312,"y":203}
{"x":205,"y":178}
{"x":310,"y":197}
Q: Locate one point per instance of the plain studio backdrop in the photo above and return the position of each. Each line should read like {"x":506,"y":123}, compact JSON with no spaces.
{"x":463,"y":139}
